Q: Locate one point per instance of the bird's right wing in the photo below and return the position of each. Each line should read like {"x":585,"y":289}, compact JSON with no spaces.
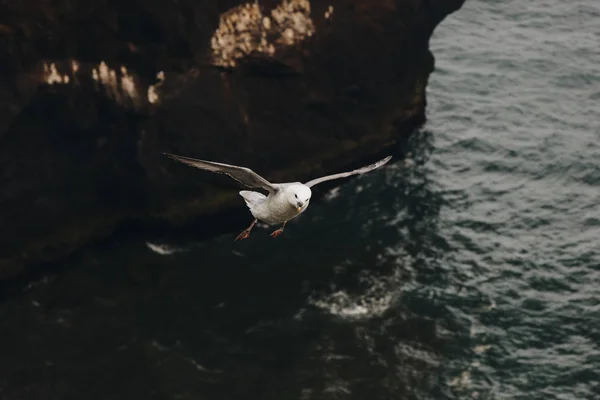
{"x":243,"y":175}
{"x":349,"y":173}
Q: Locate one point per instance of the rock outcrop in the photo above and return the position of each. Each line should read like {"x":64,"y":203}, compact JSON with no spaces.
{"x":91,"y":93}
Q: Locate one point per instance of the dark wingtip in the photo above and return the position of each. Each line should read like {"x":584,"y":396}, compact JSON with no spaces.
{"x":177,"y":158}
{"x":173,"y":156}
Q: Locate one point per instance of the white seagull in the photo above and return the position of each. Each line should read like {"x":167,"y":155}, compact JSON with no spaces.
{"x":284,"y":202}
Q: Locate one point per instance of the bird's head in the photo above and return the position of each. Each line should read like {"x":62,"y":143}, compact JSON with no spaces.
{"x":298,"y":196}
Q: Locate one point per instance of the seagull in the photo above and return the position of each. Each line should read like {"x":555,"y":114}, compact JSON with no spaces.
{"x":284,"y":202}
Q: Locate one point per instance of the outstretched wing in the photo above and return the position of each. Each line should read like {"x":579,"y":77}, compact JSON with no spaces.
{"x":350,"y":173}
{"x":243,"y":175}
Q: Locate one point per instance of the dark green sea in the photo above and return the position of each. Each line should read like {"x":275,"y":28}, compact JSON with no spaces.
{"x":470,"y":270}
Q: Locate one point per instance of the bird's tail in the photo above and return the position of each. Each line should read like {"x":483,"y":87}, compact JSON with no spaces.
{"x":252,"y":198}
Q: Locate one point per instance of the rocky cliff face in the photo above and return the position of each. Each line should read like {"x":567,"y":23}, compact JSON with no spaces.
{"x":91,"y":93}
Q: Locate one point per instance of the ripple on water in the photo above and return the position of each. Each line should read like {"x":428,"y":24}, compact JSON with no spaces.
{"x":517,"y":138}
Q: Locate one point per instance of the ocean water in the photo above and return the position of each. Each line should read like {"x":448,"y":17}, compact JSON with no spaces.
{"x":471,"y":270}
{"x":515,"y":113}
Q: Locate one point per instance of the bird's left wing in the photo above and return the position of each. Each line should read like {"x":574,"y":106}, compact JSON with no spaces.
{"x":350,"y":173}
{"x":241,"y":174}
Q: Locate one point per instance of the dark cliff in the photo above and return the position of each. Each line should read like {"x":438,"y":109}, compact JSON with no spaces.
{"x":91,"y":93}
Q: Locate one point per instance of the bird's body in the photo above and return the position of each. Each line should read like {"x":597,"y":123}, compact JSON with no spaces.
{"x":275,"y":208}
{"x":284,"y":202}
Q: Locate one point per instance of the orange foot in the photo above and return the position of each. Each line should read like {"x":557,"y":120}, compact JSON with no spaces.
{"x":243,"y":235}
{"x":246,"y":232}
{"x":277,"y":233}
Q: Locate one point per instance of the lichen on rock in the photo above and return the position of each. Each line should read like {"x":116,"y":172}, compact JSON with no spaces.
{"x":247,"y":29}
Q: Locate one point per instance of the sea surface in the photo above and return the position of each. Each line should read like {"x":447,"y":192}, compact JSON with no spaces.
{"x":470,"y":270}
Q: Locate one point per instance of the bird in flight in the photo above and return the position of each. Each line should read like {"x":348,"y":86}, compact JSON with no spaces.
{"x":284,"y":202}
